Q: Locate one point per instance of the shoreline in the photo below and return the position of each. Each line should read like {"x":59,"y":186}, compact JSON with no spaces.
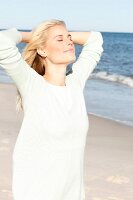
{"x":108,"y":153}
{"x":113,"y":120}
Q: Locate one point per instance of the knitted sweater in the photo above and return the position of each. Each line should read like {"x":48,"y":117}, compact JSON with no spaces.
{"x":48,"y":157}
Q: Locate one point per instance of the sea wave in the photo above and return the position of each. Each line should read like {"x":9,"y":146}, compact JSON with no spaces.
{"x":114,"y":78}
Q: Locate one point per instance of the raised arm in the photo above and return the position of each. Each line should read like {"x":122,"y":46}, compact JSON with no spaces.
{"x":26,"y":36}
{"x":80,"y":37}
{"x":11,"y":60}
{"x":90,"y":55}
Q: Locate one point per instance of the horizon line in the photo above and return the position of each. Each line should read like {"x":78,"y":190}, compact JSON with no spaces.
{"x":22,"y":29}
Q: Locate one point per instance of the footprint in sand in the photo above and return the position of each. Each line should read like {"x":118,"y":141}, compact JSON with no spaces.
{"x":7,"y":192}
{"x":118,"y":179}
{"x":4,"y":148}
{"x":114,"y":198}
{"x":108,"y":198}
{"x":5,"y":141}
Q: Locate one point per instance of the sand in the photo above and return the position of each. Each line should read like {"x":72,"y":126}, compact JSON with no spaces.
{"x":109,"y":161}
{"x":108,"y":165}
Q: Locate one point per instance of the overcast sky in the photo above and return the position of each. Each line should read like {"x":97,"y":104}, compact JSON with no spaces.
{"x":100,"y":15}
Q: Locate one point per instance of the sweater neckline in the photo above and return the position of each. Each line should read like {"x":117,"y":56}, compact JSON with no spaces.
{"x":53,"y":85}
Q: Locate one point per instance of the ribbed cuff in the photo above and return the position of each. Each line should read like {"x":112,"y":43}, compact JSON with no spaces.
{"x":13,"y":34}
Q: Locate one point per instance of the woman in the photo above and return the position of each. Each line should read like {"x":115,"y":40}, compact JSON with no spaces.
{"x":49,"y":153}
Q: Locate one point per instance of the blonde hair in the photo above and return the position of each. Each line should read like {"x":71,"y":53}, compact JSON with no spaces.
{"x":30,"y":55}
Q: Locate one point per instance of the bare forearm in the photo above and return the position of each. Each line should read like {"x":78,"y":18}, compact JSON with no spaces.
{"x":80,"y":37}
{"x":26,"y":36}
{"x":77,"y":37}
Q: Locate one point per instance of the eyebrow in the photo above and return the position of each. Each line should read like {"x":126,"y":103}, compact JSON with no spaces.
{"x":62,"y":35}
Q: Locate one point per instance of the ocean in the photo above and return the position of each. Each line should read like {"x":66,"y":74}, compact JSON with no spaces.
{"x":109,"y":89}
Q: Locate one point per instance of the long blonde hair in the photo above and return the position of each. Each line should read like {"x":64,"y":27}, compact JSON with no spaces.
{"x":30,"y":55}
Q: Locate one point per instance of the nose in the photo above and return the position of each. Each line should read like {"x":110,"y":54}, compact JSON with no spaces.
{"x":69,"y":41}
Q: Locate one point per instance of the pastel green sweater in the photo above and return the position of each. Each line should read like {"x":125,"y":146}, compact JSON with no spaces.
{"x":48,"y":156}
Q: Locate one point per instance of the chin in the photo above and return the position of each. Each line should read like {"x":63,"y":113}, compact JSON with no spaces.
{"x":67,"y":60}
{"x":73,"y":60}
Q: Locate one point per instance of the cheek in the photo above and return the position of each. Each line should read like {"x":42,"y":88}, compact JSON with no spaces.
{"x":54,"y":50}
{"x":55,"y":53}
{"x":55,"y":56}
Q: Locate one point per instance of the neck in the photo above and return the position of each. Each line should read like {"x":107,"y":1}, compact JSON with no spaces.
{"x":55,"y":74}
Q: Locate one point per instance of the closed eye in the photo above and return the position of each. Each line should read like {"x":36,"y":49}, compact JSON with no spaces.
{"x":70,"y":37}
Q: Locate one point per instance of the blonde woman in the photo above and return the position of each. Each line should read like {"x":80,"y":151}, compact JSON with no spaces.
{"x":49,"y":152}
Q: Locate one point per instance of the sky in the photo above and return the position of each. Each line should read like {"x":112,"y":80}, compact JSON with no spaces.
{"x":81,"y":15}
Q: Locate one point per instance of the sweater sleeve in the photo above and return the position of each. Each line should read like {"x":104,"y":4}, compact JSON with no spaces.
{"x":13,"y":63}
{"x":88,"y":58}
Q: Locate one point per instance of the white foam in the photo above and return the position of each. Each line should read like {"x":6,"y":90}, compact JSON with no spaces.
{"x":114,"y":78}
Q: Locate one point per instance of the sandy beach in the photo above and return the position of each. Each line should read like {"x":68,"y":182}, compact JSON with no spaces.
{"x":108,"y":166}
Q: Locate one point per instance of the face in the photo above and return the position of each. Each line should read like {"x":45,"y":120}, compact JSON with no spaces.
{"x":59,"y":48}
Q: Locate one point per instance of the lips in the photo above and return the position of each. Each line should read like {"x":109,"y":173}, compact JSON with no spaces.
{"x":70,"y":50}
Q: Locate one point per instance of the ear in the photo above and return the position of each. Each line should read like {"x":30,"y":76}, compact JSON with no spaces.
{"x":41,"y":53}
